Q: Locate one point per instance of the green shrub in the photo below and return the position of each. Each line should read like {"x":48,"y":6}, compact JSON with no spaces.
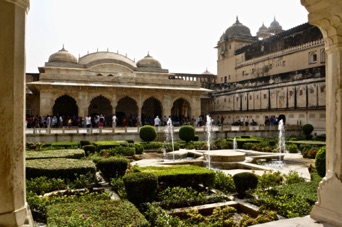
{"x":152,"y":145}
{"x":139,"y":149}
{"x":84,"y":143}
{"x":101,"y":145}
{"x":270,"y":179}
{"x":244,"y":181}
{"x":321,"y":137}
{"x":95,"y":213}
{"x":119,"y":151}
{"x":186,"y":133}
{"x":320,"y":162}
{"x":158,"y":217}
{"x":224,"y":182}
{"x":140,"y":187}
{"x":308,"y":129}
{"x":68,"y":169}
{"x":292,"y":178}
{"x":147,"y":133}
{"x":248,"y":146}
{"x":42,"y":185}
{"x":292,"y":148}
{"x":183,"y":176}
{"x":113,"y":167}
{"x":180,"y":197}
{"x":118,"y":186}
{"x":89,"y":149}
{"x":62,"y":153}
{"x":62,"y":145}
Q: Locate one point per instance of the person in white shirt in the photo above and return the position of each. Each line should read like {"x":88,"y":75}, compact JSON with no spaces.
{"x":156,"y":121}
{"x":114,"y":120}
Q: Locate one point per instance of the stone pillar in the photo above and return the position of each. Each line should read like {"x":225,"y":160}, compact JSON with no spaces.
{"x":13,"y":210}
{"x":46,"y":103}
{"x":327,"y":16}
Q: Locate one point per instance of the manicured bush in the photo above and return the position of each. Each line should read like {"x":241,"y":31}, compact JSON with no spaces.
{"x":68,"y":169}
{"x":62,"y":153}
{"x":183,"y":176}
{"x":152,"y":145}
{"x":113,"y":167}
{"x":308,"y":129}
{"x":89,"y":149}
{"x":292,"y":148}
{"x":245,"y":181}
{"x":65,"y":145}
{"x":119,"y":151}
{"x":248,"y":146}
{"x":320,"y":162}
{"x":101,"y":145}
{"x":147,"y":133}
{"x":84,"y":143}
{"x":186,"y":133}
{"x":140,"y":187}
{"x":321,"y":137}
{"x":95,"y":213}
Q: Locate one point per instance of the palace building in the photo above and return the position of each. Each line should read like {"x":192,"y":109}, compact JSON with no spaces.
{"x":274,"y":73}
{"x":109,"y":83}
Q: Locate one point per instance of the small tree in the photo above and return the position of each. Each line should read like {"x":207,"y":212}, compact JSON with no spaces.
{"x":187,"y":133}
{"x":147,"y":133}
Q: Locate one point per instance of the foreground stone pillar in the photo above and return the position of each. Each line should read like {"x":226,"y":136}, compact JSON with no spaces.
{"x":327,"y":15}
{"x":13,"y":210}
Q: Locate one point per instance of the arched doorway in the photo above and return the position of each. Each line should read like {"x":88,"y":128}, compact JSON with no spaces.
{"x":127,"y":111}
{"x":150,"y":109}
{"x":181,"y":112}
{"x":100,"y":105}
{"x":66,"y":106}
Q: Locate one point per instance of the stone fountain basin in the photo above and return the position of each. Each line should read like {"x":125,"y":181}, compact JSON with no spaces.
{"x":225,"y":156}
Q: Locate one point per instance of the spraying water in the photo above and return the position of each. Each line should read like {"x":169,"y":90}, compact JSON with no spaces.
{"x":169,"y":135}
{"x":234,"y":144}
{"x":208,"y":128}
{"x":281,"y":143}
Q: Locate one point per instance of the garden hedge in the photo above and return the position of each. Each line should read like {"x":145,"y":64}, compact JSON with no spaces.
{"x":244,"y":181}
{"x":113,"y":167}
{"x":68,"y":169}
{"x":183,"y":176}
{"x":140,"y":187}
{"x":65,"y":153}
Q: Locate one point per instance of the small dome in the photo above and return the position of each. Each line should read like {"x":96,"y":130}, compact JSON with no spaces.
{"x":62,"y":56}
{"x":207,"y":72}
{"x":148,"y":62}
{"x":263,"y":32}
{"x":262,"y":29}
{"x":275,"y":27}
{"x":237,"y":30}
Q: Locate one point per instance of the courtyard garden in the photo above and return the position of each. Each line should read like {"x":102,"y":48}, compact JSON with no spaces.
{"x":100,"y":183}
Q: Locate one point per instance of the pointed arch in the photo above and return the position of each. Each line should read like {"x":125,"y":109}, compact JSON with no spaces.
{"x":65,"y":105}
{"x":181,"y":111}
{"x":126,"y":111}
{"x":100,"y":105}
{"x":151,"y":108}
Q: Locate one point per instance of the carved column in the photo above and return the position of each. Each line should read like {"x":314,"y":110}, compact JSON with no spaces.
{"x":13,"y":210}
{"x":326,"y":14}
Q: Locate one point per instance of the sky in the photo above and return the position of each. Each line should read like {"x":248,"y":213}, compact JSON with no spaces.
{"x":180,"y":34}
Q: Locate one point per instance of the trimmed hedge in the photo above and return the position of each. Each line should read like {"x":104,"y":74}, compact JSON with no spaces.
{"x":183,"y":176}
{"x":101,"y":145}
{"x":113,"y":167}
{"x":187,"y":133}
{"x":95,"y":213}
{"x":89,"y":149}
{"x":120,"y":150}
{"x":66,"y":153}
{"x":65,"y":145}
{"x":64,"y":168}
{"x":84,"y":143}
{"x":245,"y":181}
{"x":140,"y":187}
{"x":147,"y":133}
